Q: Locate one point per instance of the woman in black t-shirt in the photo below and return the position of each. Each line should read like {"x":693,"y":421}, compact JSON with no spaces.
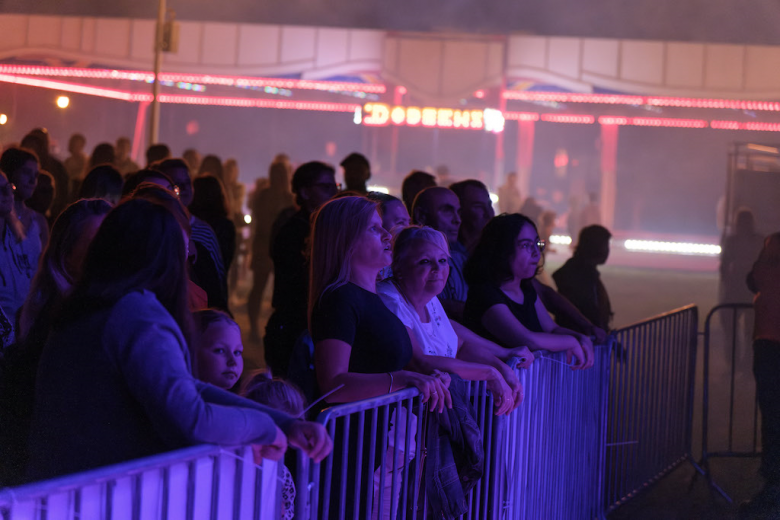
{"x":358,"y":341}
{"x":502,"y":304}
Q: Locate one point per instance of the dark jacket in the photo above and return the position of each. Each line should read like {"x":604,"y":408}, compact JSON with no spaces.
{"x":455,"y":458}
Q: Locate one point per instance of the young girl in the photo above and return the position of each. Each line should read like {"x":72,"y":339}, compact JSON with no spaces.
{"x":285,"y":397}
{"x":220,"y":351}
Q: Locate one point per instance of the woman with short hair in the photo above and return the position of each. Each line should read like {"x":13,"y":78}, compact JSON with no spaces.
{"x":420,"y":270}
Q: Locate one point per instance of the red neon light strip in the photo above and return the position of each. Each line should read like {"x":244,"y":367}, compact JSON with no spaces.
{"x":653,"y":121}
{"x":521,"y":116}
{"x":258,"y":103}
{"x":208,"y":79}
{"x":753,"y":126}
{"x":619,"y":99}
{"x":75,"y":88}
{"x":566,"y":118}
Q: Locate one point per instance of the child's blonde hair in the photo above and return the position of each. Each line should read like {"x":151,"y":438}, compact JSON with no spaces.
{"x":276,"y":393}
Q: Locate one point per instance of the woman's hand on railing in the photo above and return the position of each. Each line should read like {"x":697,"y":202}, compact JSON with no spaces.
{"x":587,"y":348}
{"x":578,"y":355}
{"x":433,"y":389}
{"x":273,"y":451}
{"x":503,"y":400}
{"x":514,"y":384}
{"x":311,"y":438}
{"x":525,"y":356}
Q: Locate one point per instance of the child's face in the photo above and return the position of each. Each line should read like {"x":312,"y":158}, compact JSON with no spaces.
{"x":220,"y":358}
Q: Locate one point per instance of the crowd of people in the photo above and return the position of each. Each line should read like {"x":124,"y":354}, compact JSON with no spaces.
{"x":118,"y":340}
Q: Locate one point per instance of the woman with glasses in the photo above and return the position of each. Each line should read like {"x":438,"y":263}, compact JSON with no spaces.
{"x":502,"y":304}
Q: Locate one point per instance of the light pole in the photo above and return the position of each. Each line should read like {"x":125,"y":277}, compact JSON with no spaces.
{"x":154,"y":120}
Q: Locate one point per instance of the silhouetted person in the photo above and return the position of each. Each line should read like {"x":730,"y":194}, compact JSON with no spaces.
{"x":76,"y":163}
{"x":413,"y":184}
{"x":764,"y":280}
{"x":266,"y":206}
{"x":102,"y":154}
{"x":235,"y":191}
{"x":210,"y":204}
{"x":208,"y":270}
{"x":192,"y":158}
{"x":102,"y":182}
{"x":313,"y":184}
{"x":357,"y":171}
{"x":38,"y":141}
{"x":509,"y":197}
{"x":212,"y":165}
{"x":157,"y":152}
{"x":580,"y":282}
{"x":740,"y":249}
{"x":124,"y":164}
{"x":42,"y":196}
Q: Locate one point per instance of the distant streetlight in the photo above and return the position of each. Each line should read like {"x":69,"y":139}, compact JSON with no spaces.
{"x":3,"y":119}
{"x":63,"y":101}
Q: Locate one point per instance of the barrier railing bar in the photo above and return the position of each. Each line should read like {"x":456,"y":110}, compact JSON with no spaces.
{"x":358,"y":466}
{"x":409,"y":406}
{"x":345,"y":423}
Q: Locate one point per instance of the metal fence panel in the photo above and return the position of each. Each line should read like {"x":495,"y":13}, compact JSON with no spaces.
{"x":650,"y":416}
{"x":199,"y":482}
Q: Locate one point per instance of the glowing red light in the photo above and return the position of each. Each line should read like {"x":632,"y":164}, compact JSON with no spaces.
{"x":609,"y":120}
{"x":479,"y":94}
{"x":667,"y":122}
{"x":400,"y":90}
{"x":207,"y":79}
{"x":566,"y":118}
{"x":620,"y":99}
{"x":521,"y":116}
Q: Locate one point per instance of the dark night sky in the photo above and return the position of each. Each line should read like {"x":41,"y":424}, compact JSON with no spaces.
{"x":723,"y":21}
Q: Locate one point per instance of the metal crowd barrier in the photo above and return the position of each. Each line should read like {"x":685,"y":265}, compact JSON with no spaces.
{"x":194,"y":483}
{"x":730,"y":413}
{"x":651,"y":398}
{"x":554,"y":441}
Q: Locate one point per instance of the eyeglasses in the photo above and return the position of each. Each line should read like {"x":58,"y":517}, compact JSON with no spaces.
{"x":9,"y":188}
{"x":529,"y":246}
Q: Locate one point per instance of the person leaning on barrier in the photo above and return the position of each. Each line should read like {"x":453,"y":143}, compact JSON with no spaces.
{"x":115,"y":380}
{"x":420,"y":270}
{"x":358,"y":342}
{"x":503,"y":305}
{"x":764,"y":281}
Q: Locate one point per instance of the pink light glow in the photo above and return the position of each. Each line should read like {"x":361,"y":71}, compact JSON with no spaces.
{"x":207,"y":79}
{"x":75,"y":88}
{"x":609,"y":120}
{"x":667,"y":122}
{"x":753,"y":126}
{"x":568,"y":118}
{"x":521,"y":116}
{"x":620,"y":99}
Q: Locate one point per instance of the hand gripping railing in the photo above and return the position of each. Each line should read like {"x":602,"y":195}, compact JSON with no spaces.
{"x":193,"y":483}
{"x":650,"y":403}
{"x":553,"y":441}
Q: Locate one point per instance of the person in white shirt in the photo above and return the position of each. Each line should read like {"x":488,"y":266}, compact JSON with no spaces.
{"x":420,"y":270}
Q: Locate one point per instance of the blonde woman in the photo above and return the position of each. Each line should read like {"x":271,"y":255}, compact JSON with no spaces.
{"x":420,"y":270}
{"x":361,"y":349}
{"x":358,"y":342}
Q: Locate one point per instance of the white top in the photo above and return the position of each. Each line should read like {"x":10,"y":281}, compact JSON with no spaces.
{"x":437,"y":337}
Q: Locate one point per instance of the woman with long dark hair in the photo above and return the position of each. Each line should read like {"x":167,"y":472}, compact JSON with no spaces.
{"x":115,"y":381}
{"x":209,"y":203}
{"x":502,"y":304}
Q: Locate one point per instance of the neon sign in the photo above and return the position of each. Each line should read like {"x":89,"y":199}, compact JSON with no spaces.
{"x":380,"y":114}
